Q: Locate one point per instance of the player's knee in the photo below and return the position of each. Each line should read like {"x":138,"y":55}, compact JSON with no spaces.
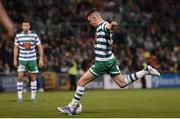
{"x":20,"y":77}
{"x":33,"y":78}
{"x":80,"y":83}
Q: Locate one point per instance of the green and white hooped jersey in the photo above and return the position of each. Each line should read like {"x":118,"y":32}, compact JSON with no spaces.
{"x":27,"y":44}
{"x":103,"y":44}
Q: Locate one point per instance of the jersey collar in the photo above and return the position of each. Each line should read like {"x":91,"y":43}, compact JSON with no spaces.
{"x":27,"y":33}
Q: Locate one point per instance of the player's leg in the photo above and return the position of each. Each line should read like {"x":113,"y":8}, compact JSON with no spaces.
{"x":87,"y":77}
{"x":20,"y":86}
{"x":124,"y":80}
{"x":33,"y":70}
{"x":94,"y":71}
{"x":21,"y":69}
{"x":33,"y":86}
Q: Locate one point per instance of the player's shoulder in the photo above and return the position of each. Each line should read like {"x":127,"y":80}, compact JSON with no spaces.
{"x":33,"y":33}
{"x":102,"y":25}
{"x":19,"y":34}
{"x":105,"y":22}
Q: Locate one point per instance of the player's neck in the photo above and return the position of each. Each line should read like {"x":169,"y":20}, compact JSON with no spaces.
{"x":26,"y":32}
{"x":99,"y":21}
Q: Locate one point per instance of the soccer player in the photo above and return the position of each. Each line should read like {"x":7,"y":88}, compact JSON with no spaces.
{"x":24,"y":49}
{"x":105,"y":62}
{"x":6,"y":22}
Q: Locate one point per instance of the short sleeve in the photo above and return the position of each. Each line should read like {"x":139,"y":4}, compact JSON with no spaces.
{"x":16,"y":41}
{"x":37,"y":40}
{"x":104,"y":26}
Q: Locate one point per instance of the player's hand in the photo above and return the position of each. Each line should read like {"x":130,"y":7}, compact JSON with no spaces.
{"x":114,"y":23}
{"x":41,"y":62}
{"x":111,"y":25}
{"x":15,"y":63}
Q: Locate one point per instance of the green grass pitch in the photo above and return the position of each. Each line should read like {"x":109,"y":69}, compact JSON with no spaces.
{"x":96,"y":103}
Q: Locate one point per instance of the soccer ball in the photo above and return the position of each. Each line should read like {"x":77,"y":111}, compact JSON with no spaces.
{"x":78,"y":109}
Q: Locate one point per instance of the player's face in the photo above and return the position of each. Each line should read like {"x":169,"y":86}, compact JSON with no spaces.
{"x":92,"y":20}
{"x":25,"y":26}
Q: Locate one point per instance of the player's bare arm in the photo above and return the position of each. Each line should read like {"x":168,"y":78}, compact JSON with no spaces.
{"x":41,"y":53}
{"x":15,"y":55}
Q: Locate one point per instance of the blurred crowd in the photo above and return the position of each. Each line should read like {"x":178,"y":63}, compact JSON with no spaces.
{"x":148,"y":33}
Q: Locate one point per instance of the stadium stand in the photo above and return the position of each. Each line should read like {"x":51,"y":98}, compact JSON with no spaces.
{"x":148,"y":32}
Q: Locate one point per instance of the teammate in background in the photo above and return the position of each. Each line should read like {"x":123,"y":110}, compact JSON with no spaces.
{"x":24,"y":49}
{"x":105,"y":62}
{"x":5,"y":22}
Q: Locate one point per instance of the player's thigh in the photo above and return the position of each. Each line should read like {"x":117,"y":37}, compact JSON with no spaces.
{"x":85,"y":78}
{"x":32,"y":67}
{"x":33,"y":76}
{"x":20,"y":76}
